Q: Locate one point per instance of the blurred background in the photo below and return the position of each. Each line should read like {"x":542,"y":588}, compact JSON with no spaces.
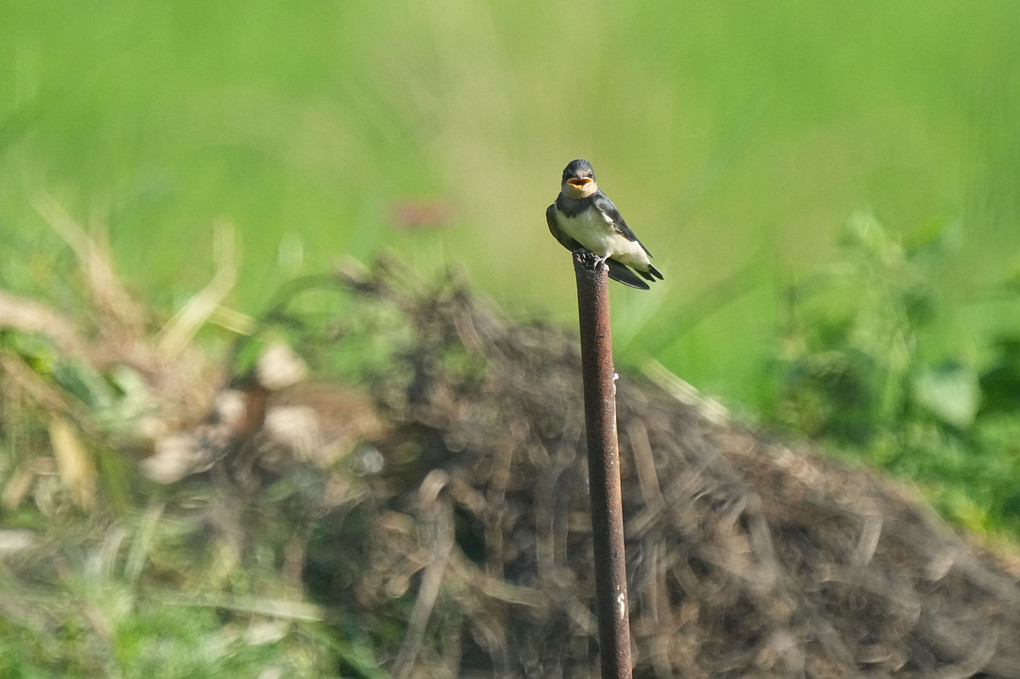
{"x":791,"y":165}
{"x":736,"y":141}
{"x":832,"y":190}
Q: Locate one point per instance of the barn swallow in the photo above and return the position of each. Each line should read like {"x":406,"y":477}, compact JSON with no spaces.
{"x":583,"y":218}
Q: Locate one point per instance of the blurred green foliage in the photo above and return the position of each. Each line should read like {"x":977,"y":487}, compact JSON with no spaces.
{"x":144,"y":596}
{"x":853,"y":369}
{"x":737,"y":139}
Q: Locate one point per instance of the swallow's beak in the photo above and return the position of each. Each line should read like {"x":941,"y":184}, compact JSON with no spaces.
{"x":579,"y":182}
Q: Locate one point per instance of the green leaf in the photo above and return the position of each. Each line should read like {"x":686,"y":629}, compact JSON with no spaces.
{"x":950,"y":392}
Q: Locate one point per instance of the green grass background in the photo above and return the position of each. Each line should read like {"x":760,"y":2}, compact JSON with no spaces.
{"x":737,"y":138}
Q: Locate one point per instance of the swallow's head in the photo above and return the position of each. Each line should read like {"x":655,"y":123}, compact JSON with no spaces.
{"x":578,"y":179}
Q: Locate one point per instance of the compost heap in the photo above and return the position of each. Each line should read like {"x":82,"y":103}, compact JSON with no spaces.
{"x":452,"y":507}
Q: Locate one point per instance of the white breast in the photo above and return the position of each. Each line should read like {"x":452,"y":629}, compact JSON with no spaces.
{"x":595,"y":231}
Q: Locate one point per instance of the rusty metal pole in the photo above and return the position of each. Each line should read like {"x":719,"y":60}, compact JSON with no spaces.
{"x":603,"y":469}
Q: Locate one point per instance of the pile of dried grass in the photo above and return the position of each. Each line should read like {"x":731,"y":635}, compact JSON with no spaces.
{"x":441,"y":509}
{"x":745,"y":557}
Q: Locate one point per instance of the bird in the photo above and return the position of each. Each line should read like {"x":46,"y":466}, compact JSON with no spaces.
{"x":584,"y":219}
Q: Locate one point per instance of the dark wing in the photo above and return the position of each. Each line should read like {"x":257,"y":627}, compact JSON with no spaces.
{"x":652,"y":273}
{"x":618,"y":272}
{"x":606,"y":207}
{"x":554,"y":228}
{"x":622,"y":274}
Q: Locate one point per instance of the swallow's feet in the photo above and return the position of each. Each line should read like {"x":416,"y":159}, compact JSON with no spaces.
{"x":589,"y":259}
